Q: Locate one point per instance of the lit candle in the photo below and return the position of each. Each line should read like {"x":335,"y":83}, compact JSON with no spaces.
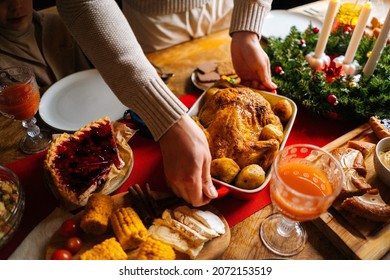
{"x":326,"y":28}
{"x":358,"y":33}
{"x":378,"y":48}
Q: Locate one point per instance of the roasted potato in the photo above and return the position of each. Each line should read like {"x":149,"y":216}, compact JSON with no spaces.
{"x":250,"y":177}
{"x":283,"y":110}
{"x":224,"y":169}
{"x":271,"y":131}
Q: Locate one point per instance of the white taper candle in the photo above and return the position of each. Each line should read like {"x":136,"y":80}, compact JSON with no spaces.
{"x":358,"y":33}
{"x":378,"y":48}
{"x":333,"y":8}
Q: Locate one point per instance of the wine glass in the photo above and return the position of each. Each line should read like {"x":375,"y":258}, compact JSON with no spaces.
{"x":305,"y":180}
{"x":19,"y":100}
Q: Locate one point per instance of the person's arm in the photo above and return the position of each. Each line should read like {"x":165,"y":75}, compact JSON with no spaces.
{"x":249,"y":59}
{"x":107,"y":39}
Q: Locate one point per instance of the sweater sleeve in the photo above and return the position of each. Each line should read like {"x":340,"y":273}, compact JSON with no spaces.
{"x":107,"y":39}
{"x":249,"y":15}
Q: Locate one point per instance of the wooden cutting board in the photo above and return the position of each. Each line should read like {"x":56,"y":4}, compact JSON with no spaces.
{"x":211,"y":250}
{"x":357,"y":238}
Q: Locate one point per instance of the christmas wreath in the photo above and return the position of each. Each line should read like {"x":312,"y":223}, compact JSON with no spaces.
{"x":328,"y":92}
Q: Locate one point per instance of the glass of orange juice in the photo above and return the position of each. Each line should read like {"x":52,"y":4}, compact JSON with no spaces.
{"x":19,"y":100}
{"x":305,"y":180}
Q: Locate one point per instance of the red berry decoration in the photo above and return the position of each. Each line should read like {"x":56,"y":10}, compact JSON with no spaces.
{"x":279,"y":70}
{"x":315,"y":30}
{"x":302,"y":43}
{"x":347,"y":29}
{"x":332,"y":99}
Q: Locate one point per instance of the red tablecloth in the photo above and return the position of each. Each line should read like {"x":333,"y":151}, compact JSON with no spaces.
{"x":148,"y":169}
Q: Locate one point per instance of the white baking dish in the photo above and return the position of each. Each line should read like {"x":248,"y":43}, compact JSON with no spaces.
{"x":224,"y":188}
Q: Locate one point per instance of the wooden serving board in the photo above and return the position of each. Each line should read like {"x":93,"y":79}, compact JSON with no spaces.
{"x":356,"y":237}
{"x":211,"y":250}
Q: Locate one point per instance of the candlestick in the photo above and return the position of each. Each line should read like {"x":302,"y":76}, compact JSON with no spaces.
{"x":357,"y":33}
{"x":326,"y":28}
{"x":378,"y":48}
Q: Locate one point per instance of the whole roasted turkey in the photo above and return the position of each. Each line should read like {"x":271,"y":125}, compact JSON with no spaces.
{"x":233,"y":120}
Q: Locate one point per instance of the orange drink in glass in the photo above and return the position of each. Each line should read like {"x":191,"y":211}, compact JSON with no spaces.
{"x":19,"y":100}
{"x":305,"y":180}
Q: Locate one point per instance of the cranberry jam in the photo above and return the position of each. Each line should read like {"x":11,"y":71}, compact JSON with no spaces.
{"x":86,"y":160}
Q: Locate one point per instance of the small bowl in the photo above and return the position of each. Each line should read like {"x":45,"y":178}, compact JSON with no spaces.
{"x":12,"y":201}
{"x":380,"y":168}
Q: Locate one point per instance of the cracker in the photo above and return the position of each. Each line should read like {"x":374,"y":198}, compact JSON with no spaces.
{"x":209,"y":77}
{"x":207,"y":67}
{"x":225,"y":68}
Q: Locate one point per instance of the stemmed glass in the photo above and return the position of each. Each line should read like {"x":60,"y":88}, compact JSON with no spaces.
{"x":305,"y":180}
{"x":19,"y":100}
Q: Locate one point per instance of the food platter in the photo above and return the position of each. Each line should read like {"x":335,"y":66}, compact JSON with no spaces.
{"x":211,"y":250}
{"x":246,"y":194}
{"x":77,"y":100}
{"x":356,"y":237}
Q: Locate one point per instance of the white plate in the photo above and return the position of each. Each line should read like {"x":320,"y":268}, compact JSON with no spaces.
{"x":278,"y":23}
{"x":77,"y":100}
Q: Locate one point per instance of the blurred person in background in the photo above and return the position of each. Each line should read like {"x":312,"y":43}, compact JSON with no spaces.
{"x":38,"y":40}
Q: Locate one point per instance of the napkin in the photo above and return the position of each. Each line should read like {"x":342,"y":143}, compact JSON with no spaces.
{"x":34,"y":245}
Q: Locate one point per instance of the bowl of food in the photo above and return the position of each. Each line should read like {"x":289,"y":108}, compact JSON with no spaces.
{"x":12,"y":201}
{"x":382,"y":160}
{"x":245,"y":129}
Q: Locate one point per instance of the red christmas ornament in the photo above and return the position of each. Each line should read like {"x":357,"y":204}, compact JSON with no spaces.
{"x":279,"y":70}
{"x":302,"y":42}
{"x":315,"y":30}
{"x":332,"y":99}
{"x":347,"y":28}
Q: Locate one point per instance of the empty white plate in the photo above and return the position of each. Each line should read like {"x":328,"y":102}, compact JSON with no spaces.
{"x":278,"y":23}
{"x":78,"y":99}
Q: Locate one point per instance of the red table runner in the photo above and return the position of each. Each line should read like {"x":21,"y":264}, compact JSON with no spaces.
{"x":148,"y":169}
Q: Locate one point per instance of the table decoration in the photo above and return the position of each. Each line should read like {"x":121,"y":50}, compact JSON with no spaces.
{"x":318,"y":59}
{"x":347,"y":62}
{"x":378,"y":48}
{"x":329,"y":92}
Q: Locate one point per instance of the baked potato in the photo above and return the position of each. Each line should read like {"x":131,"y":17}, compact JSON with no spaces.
{"x":224,"y":169}
{"x":271,"y":131}
{"x":250,"y":177}
{"x":283,"y":110}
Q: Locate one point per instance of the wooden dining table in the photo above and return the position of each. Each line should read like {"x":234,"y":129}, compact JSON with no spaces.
{"x":182,"y":60}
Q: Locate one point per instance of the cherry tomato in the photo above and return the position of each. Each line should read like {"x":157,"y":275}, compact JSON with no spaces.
{"x":74,"y":244}
{"x":61,"y":254}
{"x":69,"y":228}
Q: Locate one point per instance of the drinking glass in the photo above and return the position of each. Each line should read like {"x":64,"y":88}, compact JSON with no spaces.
{"x":19,"y":100}
{"x":305,"y":180}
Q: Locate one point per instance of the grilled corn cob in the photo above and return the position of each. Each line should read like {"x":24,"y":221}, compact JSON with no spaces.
{"x":128,"y":227}
{"x":109,"y":249}
{"x":97,"y":214}
{"x":152,"y":249}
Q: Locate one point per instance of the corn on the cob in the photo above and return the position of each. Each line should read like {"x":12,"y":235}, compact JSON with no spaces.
{"x":128,"y":227}
{"x":109,"y":249}
{"x":97,"y":214}
{"x":152,"y":249}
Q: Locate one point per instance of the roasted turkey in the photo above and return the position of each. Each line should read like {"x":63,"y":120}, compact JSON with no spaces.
{"x":233,"y":120}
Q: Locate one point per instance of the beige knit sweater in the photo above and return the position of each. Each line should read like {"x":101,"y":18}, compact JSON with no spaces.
{"x":105,"y":36}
